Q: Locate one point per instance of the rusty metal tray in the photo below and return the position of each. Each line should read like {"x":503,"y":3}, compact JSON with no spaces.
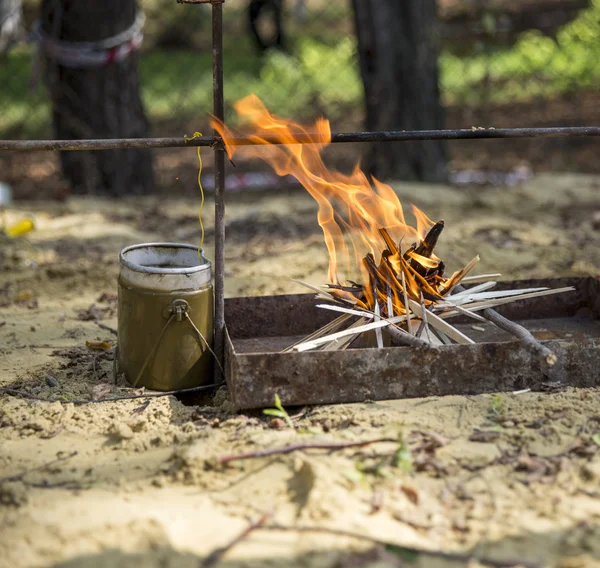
{"x":258,"y":328}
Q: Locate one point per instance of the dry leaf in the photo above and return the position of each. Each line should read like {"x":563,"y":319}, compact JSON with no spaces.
{"x":558,"y":414}
{"x":101,"y":390}
{"x":484,"y":436}
{"x":529,"y":464}
{"x":140,"y":409}
{"x":99,"y":345}
{"x":411,"y":493}
{"x":24,"y":296}
{"x":137,"y":392}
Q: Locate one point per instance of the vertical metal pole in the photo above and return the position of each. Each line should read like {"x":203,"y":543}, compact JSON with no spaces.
{"x":218,"y":109}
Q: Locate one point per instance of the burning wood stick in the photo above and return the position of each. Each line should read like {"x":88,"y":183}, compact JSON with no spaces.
{"x":522,"y":334}
{"x":411,"y":289}
{"x":430,"y":241}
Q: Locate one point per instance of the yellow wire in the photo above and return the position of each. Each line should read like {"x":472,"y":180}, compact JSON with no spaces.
{"x":198,"y":135}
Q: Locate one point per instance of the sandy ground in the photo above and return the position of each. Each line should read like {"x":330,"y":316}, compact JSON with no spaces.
{"x":144,"y":487}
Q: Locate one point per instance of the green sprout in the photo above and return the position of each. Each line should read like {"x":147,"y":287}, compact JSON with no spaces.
{"x":497,"y":405}
{"x":279,"y":412}
{"x":403,"y":457}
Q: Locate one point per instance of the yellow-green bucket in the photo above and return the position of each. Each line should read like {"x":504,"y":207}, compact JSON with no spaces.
{"x":165,"y":316}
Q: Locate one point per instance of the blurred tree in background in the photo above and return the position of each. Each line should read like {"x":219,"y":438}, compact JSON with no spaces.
{"x":398,"y":54}
{"x":10,"y":24}
{"x":98,"y":99}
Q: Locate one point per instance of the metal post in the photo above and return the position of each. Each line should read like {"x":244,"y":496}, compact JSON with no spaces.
{"x":219,"y":112}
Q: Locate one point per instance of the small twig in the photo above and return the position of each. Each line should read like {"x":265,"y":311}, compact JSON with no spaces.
{"x":454,"y":556}
{"x":424,"y":315}
{"x":69,"y":485}
{"x":20,"y":476}
{"x":332,"y":446}
{"x":139,"y":409}
{"x":106,"y":327}
{"x":215,"y":556}
{"x":522,"y":334}
{"x":404,"y":338}
{"x":460,"y":414}
{"x":15,"y":392}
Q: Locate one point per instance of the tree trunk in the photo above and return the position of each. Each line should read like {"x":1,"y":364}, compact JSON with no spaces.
{"x":11,"y":31}
{"x":397,"y":45}
{"x":97,"y":102}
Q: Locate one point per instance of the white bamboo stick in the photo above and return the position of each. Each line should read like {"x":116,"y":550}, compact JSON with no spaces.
{"x":437,"y":322}
{"x":493,"y":303}
{"x":405,"y":294}
{"x":378,"y":335}
{"x":479,"y":288}
{"x":350,"y":311}
{"x":490,"y":295}
{"x":328,"y":328}
{"x":480,"y":277}
{"x":307,"y":345}
{"x":343,"y":342}
{"x":500,"y":301}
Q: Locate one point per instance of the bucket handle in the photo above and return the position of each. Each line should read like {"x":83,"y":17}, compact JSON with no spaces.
{"x":178,"y":310}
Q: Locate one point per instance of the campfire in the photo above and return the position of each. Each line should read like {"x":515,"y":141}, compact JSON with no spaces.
{"x":396,"y":286}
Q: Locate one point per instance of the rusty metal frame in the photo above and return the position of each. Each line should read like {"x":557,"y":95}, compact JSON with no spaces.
{"x":216,"y":144}
{"x":258,"y":327}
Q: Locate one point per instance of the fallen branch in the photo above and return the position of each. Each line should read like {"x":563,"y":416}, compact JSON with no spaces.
{"x":20,"y":476}
{"x":106,"y":327}
{"x":332,"y":446}
{"x":406,"y":550}
{"x":216,"y":555}
{"x":522,"y":334}
{"x":15,"y":392}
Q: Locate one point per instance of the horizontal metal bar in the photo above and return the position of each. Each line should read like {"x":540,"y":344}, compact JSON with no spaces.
{"x":200,"y":1}
{"x":104,"y":144}
{"x":386,"y":136}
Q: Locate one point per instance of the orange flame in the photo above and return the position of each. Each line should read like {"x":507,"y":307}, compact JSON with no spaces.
{"x":351,"y":210}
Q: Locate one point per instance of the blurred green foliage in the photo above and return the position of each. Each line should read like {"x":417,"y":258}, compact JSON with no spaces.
{"x":535,"y":66}
{"x":319,"y":77}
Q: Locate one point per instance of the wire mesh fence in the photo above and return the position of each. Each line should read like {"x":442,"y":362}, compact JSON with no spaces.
{"x":506,"y":63}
